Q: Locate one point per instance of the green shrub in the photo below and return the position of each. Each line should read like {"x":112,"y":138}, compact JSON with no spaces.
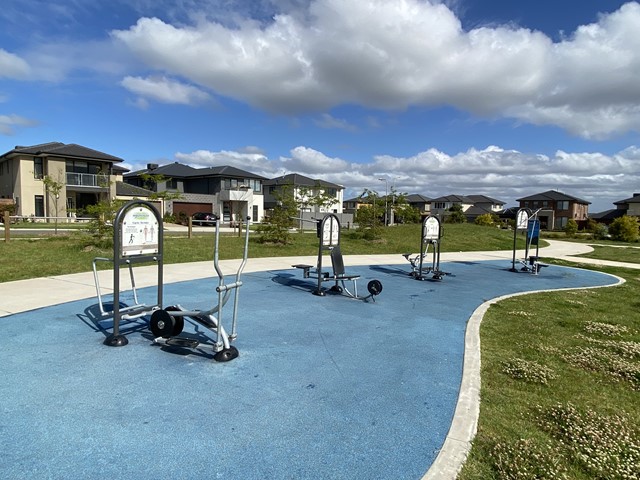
{"x":625,"y":229}
{"x":571,"y":229}
{"x":486,"y":220}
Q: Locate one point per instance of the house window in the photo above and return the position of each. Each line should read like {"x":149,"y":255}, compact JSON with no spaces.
{"x":561,"y":222}
{"x":255,"y":213}
{"x":230,"y":183}
{"x":39,"y":201}
{"x":38,"y":168}
{"x":172,"y":184}
{"x":440,"y":204}
{"x":256,"y":185}
{"x":332,"y":192}
{"x":563,"y":205}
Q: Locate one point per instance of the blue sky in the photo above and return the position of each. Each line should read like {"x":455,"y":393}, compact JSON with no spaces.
{"x":502,"y":98}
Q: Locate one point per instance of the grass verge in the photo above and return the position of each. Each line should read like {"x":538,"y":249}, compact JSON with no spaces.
{"x":617,"y":254}
{"x":560,"y":386}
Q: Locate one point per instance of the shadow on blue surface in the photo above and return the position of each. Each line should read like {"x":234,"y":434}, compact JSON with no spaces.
{"x":325,"y":387}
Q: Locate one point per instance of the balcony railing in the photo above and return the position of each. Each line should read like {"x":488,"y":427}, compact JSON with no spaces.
{"x":87,"y":180}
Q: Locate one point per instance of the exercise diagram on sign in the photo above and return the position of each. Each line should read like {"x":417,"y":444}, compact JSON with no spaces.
{"x":139,"y":232}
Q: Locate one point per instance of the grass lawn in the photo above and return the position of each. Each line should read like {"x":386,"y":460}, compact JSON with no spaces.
{"x":560,"y":386}
{"x":628,"y":254}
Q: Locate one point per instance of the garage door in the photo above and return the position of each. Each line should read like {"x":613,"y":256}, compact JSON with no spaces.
{"x":190,"y":208}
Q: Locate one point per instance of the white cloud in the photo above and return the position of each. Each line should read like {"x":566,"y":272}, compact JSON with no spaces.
{"x":164,"y":90}
{"x":394,"y":54}
{"x":9,"y":123}
{"x":503,"y":174}
{"x":252,"y":161}
{"x":330,"y":122}
{"x":13,"y":66}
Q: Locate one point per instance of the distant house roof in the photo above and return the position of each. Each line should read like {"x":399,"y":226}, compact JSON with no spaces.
{"x":552,"y":195}
{"x":454,"y":199}
{"x":476,"y":211}
{"x":607,"y":215}
{"x":174,"y":170}
{"x":417,"y":198}
{"x":180,"y":170}
{"x":485,"y":199}
{"x":57,"y":149}
{"x":300,"y":180}
{"x":634,"y":199}
{"x":226,"y":171}
{"x":127,"y":190}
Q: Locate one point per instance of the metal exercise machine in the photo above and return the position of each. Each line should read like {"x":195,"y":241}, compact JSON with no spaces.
{"x":328,"y":230}
{"x":167,"y":324}
{"x":137,"y":238}
{"x":430,"y":236}
{"x":529,"y":221}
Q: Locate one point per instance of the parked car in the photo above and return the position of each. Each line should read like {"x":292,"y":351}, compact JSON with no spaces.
{"x":204,"y":218}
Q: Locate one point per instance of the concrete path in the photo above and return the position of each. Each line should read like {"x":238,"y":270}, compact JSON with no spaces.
{"x":24,"y":295}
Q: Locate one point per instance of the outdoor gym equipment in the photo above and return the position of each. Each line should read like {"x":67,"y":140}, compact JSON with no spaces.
{"x":167,"y":324}
{"x":328,"y":230}
{"x":430,"y":236}
{"x":529,"y":221}
{"x":137,"y":238}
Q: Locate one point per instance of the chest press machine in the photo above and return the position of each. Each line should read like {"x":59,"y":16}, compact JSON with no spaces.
{"x":328,"y":231}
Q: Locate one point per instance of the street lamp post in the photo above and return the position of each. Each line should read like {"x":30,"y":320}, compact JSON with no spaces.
{"x":393,"y":201}
{"x":386,"y":198}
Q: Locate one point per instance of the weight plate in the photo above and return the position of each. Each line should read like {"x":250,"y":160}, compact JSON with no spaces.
{"x":162,"y":324}
{"x":374,"y":287}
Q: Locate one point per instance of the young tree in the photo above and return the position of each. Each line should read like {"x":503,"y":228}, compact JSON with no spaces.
{"x":368,"y":217}
{"x":53,"y":189}
{"x":456,"y":215}
{"x":276,"y":225}
{"x":101,"y":224}
{"x":315,"y":196}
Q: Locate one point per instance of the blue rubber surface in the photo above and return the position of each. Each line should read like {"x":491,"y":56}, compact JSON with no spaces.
{"x":324,"y":387}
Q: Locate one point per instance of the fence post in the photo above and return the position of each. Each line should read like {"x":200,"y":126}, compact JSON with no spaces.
{"x":7,"y":222}
{"x":190,"y":223}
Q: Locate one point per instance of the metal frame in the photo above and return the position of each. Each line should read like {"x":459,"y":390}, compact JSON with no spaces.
{"x":430,"y":235}
{"x":328,"y":231}
{"x":222,"y":347}
{"x":529,"y":221}
{"x":122,"y":257}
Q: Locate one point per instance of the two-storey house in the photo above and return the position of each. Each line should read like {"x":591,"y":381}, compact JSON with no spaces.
{"x":229,"y":192}
{"x":314,"y":197}
{"x":472,"y":205}
{"x":556,"y":208}
{"x":86,"y":176}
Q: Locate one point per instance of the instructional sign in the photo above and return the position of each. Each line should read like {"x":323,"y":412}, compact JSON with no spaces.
{"x":139,"y":232}
{"x":330,"y":231}
{"x":522,"y":219}
{"x":431,"y":229}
